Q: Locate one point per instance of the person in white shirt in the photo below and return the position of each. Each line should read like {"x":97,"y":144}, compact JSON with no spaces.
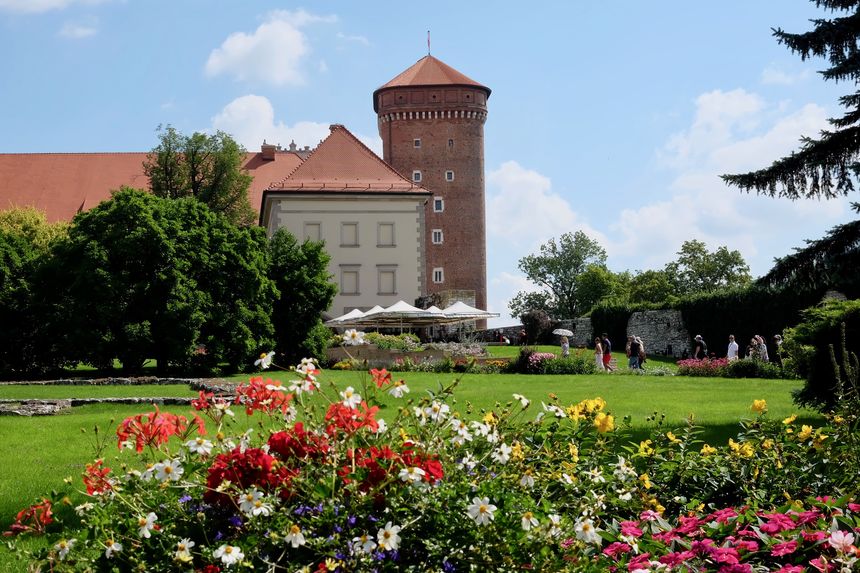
{"x":733,"y":349}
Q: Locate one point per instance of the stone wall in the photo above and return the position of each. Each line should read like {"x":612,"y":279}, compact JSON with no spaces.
{"x":662,"y":331}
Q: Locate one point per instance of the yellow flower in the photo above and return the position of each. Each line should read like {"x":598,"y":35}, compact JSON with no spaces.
{"x":767,"y":444}
{"x":645,"y":448}
{"x":805,"y":432}
{"x":517,"y":451}
{"x":604,"y":423}
{"x":593,"y":405}
{"x":655,"y":505}
{"x":759,"y":406}
{"x":708,"y":450}
{"x":490,"y":418}
{"x":790,"y":419}
{"x":743,"y":450}
{"x":672,"y":438}
{"x":574,"y":412}
{"x":574,"y":452}
{"x":646,"y":481}
{"x":331,"y":564}
{"x":838,"y":420}
{"x":818,"y":440}
{"x":404,"y":437}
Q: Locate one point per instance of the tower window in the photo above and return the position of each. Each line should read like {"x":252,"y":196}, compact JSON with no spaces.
{"x":416,"y":176}
{"x":450,"y":143}
{"x":437,"y":236}
{"x":449,"y":176}
{"x":416,"y":143}
{"x":438,"y":205}
{"x":438,"y":275}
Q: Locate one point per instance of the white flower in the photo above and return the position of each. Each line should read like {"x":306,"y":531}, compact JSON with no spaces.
{"x":467,"y":462}
{"x":420,"y":415}
{"x":149,"y":472}
{"x":481,"y":428}
{"x":493,"y":437}
{"x":228,"y":554}
{"x":351,"y":398}
{"x":381,"y":426}
{"x":295,"y":537}
{"x":841,"y":541}
{"x":290,"y":414}
{"x":557,"y":411}
{"x":265,"y":360}
{"x":223,"y":407}
{"x":399,"y":389}
{"x":63,"y":547}
{"x":112,"y":548}
{"x":527,"y":481}
{"x":387,"y":536}
{"x":528,"y":521}
{"x":168,"y":470}
{"x":437,"y":411}
{"x":199,"y":446}
{"x":481,"y":510}
{"x":462,"y":429}
{"x":502,"y":454}
{"x":595,"y":475}
{"x":623,"y":471}
{"x":585,"y":531}
{"x":183,"y":550}
{"x":82,"y":509}
{"x":411,"y":474}
{"x":363,"y":544}
{"x":249,"y":500}
{"x":524,"y":402}
{"x":145,"y":524}
{"x":566,"y":479}
{"x":554,"y":525}
{"x":353,"y":337}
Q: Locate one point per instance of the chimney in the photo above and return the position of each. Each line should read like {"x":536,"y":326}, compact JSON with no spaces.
{"x":293,"y":145}
{"x":267,"y":151}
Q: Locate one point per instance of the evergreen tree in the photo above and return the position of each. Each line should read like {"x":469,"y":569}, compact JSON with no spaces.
{"x":826,"y":167}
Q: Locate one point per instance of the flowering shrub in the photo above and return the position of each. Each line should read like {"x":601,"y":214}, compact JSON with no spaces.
{"x":536,"y":361}
{"x":544,"y":486}
{"x":706,"y":367}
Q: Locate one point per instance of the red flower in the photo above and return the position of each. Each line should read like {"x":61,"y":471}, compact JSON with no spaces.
{"x":153,"y":429}
{"x":615,"y":548}
{"x":263,"y":396}
{"x":381,"y":377}
{"x":32,"y":519}
{"x":253,"y":467}
{"x":203,"y":403}
{"x":210,"y":569}
{"x":786,"y":548}
{"x":350,"y":420}
{"x":299,"y":444}
{"x":95,"y":478}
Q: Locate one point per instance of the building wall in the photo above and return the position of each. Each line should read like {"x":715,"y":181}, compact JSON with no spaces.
{"x":449,"y":123}
{"x":355,"y":231}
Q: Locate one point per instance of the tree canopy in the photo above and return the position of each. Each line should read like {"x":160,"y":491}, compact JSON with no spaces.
{"x":696,"y":270}
{"x":205,"y":167}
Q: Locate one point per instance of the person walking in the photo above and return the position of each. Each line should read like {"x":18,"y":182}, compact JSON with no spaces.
{"x":700,"y":348}
{"x":565,"y":347}
{"x":642,"y":356}
{"x":633,"y":352}
{"x":598,"y":354}
{"x":607,"y":352}
{"x":732,"y":352}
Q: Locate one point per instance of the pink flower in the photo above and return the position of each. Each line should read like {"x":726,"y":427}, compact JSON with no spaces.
{"x":630,"y":529}
{"x":813,"y":537}
{"x":736,"y":568}
{"x":615,"y":548}
{"x":821,"y":564}
{"x":808,"y":517}
{"x":746,"y":545}
{"x":777,"y":522}
{"x":854,"y":506}
{"x":841,"y":541}
{"x":673,"y":560}
{"x":723,"y":515}
{"x":790,"y":569}
{"x":649,"y":515}
{"x":783,"y":548}
{"x":727,"y":555}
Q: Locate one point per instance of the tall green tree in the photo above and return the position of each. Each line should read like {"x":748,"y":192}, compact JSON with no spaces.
{"x":697,"y":270}
{"x":300,"y":272}
{"x":205,"y":167}
{"x":824,"y":167}
{"x":144,"y":277}
{"x":653,"y":286}
{"x":558,"y":269}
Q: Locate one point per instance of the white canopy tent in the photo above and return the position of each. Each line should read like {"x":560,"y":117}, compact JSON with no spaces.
{"x":402,"y":314}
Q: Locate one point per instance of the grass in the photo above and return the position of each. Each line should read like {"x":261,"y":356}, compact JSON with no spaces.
{"x":56,"y":391}
{"x":47,"y":449}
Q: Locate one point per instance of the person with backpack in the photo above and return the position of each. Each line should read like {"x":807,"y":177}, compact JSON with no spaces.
{"x":700,"y":348}
{"x":633,"y":348}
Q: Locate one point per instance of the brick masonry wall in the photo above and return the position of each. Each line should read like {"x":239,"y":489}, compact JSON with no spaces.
{"x":662,"y":331}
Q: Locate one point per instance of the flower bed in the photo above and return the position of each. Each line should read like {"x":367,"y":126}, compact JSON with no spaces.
{"x":436,"y":486}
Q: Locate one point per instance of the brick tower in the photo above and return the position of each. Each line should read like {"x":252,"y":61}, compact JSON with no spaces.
{"x":431,"y":120}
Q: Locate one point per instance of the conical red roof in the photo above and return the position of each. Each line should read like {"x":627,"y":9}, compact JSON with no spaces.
{"x":429,"y":71}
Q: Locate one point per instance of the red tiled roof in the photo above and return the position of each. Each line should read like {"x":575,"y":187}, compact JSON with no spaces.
{"x":62,"y":184}
{"x":343,"y":164}
{"x":429,"y":71}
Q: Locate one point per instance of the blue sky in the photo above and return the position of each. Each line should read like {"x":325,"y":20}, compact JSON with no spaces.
{"x":613,"y":118}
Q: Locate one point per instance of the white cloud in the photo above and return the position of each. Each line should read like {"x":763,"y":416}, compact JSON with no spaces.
{"x":354,"y":39}
{"x":274,"y":53}
{"x":773,"y":75}
{"x":39,"y":6}
{"x":250,"y":119}
{"x":77,"y":31}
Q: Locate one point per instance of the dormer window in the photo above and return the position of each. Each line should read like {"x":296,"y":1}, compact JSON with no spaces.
{"x":416,"y":143}
{"x":416,"y":176}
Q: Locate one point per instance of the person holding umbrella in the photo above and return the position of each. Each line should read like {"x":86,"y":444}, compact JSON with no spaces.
{"x":565,"y":343}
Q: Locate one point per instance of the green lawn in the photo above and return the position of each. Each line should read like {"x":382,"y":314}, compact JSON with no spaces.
{"x":48,"y":392}
{"x":40,"y":452}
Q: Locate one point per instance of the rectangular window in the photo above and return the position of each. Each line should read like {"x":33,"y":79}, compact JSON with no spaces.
{"x":416,"y":143}
{"x":450,"y":143}
{"x":437,"y":236}
{"x":449,"y":176}
{"x":313,"y":232}
{"x":416,"y":176}
{"x":349,"y":234}
{"x":349,"y":280}
{"x":438,"y":204}
{"x":385,"y":235}
{"x":387,"y":281}
{"x":438,"y":275}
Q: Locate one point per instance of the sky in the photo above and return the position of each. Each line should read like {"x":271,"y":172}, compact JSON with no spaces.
{"x":614,"y":118}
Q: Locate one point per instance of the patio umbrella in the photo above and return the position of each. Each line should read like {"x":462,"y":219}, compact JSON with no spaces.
{"x":464,"y":311}
{"x":562,"y":332}
{"x":346,"y":319}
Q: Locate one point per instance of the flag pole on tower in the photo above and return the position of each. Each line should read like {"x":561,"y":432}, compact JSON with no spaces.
{"x":428,"y":42}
